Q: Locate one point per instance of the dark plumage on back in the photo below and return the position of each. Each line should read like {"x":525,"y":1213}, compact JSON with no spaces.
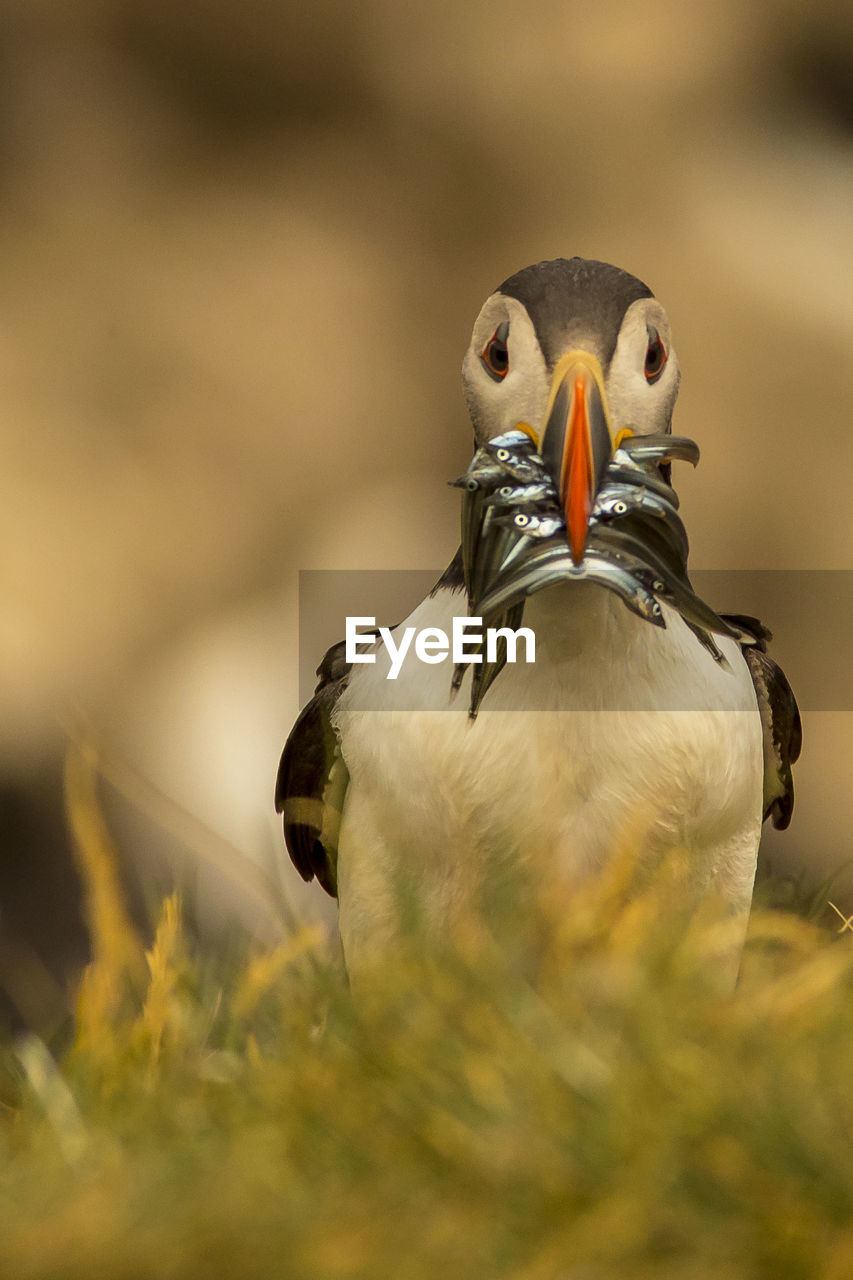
{"x":312,"y":778}
{"x":780,"y":721}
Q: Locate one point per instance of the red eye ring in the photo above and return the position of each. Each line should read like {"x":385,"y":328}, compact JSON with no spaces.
{"x":495,"y":354}
{"x":655,"y":356}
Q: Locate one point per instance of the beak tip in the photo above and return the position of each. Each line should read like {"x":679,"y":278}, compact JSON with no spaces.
{"x":577,"y":526}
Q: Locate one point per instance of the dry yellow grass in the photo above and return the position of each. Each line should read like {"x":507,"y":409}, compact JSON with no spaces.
{"x":600,"y":1110}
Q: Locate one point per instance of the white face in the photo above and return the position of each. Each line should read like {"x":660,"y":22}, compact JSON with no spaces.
{"x":641,"y":381}
{"x":522,"y":396}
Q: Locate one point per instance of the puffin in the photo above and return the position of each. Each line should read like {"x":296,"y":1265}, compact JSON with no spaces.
{"x":646,"y":726}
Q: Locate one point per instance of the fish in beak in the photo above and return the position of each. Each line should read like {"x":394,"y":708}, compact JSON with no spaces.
{"x":577,"y":442}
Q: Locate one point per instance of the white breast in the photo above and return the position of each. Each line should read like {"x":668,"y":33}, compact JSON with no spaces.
{"x":619,"y":732}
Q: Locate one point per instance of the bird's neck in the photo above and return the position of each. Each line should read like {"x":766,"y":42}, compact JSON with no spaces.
{"x":577,"y":619}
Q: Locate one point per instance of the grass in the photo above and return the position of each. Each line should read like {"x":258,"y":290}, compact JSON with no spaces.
{"x":623,"y":1117}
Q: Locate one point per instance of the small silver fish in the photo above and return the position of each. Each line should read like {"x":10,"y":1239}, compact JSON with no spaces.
{"x":517,"y":495}
{"x":660,"y":448}
{"x":516,"y":453}
{"x":534,"y":524}
{"x":616,"y":500}
{"x":622,"y":470}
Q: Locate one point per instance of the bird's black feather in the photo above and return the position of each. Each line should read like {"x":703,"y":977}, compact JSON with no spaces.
{"x":311,"y":779}
{"x":453,"y":578}
{"x":780,"y":720}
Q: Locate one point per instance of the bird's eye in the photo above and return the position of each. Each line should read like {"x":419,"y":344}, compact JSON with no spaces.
{"x":655,"y":357}
{"x":495,"y":356}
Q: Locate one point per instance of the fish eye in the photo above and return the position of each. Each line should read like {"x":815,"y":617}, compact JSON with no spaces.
{"x":502,"y":455}
{"x":521,"y":520}
{"x":505,"y":490}
{"x":655,"y":356}
{"x":495,"y":354}
{"x":620,"y":508}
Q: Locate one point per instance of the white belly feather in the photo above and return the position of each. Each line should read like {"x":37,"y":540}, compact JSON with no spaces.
{"x":568,"y":759}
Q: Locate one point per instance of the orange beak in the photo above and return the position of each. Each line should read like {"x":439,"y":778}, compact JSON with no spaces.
{"x":577,"y":442}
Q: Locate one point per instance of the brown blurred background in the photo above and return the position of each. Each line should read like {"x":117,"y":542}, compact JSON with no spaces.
{"x":241,"y":250}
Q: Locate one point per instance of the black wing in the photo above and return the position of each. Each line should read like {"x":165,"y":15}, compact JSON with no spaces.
{"x":780,"y":721}
{"x":312,"y":779}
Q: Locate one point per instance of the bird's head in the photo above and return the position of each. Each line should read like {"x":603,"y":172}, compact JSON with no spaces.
{"x":577,"y":354}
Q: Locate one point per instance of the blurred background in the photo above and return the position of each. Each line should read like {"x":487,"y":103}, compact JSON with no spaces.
{"x":241,"y":251}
